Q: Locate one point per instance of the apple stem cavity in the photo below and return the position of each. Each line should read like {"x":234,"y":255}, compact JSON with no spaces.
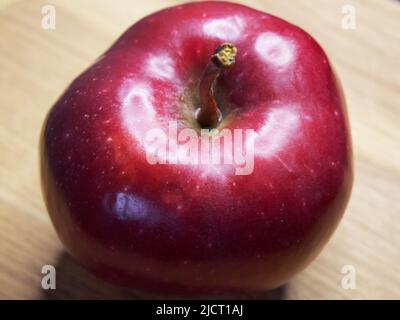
{"x":208,"y":114}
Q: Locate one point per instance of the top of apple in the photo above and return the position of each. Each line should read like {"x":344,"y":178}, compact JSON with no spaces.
{"x":210,"y":65}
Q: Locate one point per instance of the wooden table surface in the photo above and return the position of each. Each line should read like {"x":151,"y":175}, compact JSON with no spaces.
{"x":36,"y":65}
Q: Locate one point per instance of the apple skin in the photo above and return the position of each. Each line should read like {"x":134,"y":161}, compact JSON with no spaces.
{"x":191,"y":230}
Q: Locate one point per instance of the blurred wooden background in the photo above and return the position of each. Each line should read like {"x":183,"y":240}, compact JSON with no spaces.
{"x":36,"y":65}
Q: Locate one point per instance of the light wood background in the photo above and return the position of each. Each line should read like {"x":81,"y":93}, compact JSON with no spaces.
{"x":36,"y":66}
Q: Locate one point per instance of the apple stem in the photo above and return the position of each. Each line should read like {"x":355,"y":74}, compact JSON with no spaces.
{"x":209,"y":115}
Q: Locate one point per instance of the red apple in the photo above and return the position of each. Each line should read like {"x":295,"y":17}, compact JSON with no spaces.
{"x":200,"y":229}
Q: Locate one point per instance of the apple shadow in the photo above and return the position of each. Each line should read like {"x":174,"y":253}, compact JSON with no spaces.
{"x":76,"y":283}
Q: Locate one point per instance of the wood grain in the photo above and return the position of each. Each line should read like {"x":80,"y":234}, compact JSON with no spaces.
{"x":36,"y":66}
